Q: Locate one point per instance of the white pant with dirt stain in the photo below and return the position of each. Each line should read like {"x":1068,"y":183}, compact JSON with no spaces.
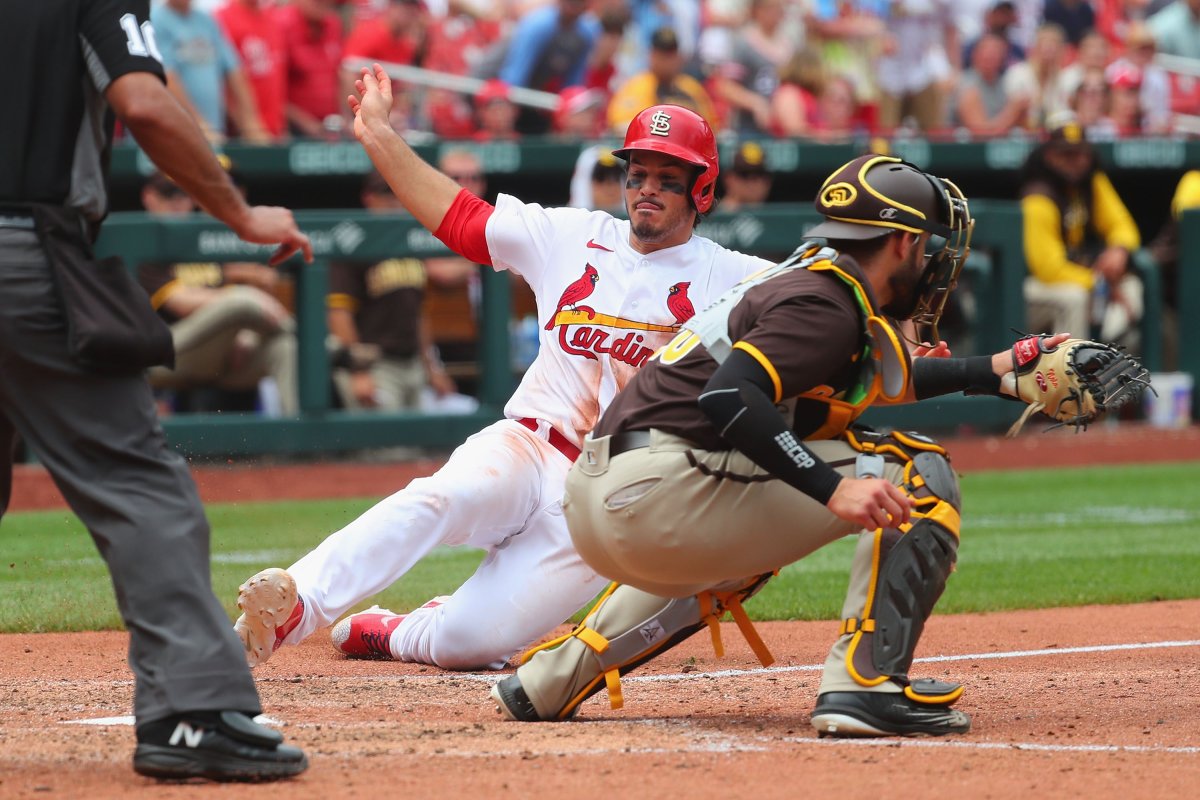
{"x":500,"y":491}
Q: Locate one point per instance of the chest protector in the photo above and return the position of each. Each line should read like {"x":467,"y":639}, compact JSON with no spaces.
{"x":883,"y":363}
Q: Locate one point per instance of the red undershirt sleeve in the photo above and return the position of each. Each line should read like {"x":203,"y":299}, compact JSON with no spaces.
{"x":464,"y":228}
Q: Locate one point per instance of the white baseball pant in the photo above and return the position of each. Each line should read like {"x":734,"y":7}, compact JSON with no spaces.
{"x":501,"y":491}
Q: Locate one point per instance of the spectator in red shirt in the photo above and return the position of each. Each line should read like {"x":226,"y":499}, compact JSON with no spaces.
{"x":397,"y":36}
{"x":794,"y":102}
{"x":312,"y":35}
{"x":259,"y":42}
{"x":580,"y":113}
{"x":451,"y":115}
{"x":1125,"y":86}
{"x":496,"y":112}
{"x":458,"y":42}
{"x":1156,"y":84}
{"x":838,"y":113}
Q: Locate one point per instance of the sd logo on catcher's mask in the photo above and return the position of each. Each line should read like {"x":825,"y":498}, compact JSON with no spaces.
{"x":660,"y":123}
{"x":839,"y":194}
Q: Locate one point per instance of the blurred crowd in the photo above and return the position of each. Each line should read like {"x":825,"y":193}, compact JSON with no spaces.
{"x":1071,"y":71}
{"x":266,"y":70}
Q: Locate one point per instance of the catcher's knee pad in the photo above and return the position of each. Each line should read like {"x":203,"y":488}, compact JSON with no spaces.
{"x":909,"y":566}
{"x":624,"y":630}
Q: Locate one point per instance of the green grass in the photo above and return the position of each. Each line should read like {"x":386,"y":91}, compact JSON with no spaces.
{"x":1030,"y":540}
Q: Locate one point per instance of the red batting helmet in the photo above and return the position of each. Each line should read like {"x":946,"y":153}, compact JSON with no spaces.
{"x":682,"y":133}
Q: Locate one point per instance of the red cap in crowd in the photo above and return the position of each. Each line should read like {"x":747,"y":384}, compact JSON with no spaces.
{"x":495,"y":89}
{"x":1125,"y":76}
{"x":573,"y":100}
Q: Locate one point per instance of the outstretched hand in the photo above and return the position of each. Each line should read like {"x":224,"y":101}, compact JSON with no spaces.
{"x":373,"y":103}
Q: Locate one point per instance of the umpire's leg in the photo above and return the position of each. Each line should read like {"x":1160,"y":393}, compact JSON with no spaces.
{"x":100,"y":439}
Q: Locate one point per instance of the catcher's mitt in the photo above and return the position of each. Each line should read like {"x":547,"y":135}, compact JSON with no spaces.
{"x":1074,"y":383}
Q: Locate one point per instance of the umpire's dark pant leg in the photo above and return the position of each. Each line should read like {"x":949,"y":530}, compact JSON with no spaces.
{"x":100,"y":439}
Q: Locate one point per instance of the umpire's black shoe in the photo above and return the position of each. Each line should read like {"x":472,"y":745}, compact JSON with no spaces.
{"x":217,"y":746}
{"x":884,"y":714}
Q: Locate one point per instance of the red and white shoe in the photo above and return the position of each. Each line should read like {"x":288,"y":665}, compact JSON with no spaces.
{"x":271,"y":609}
{"x":368,"y":634}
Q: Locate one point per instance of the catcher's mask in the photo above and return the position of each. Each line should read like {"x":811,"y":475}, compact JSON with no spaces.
{"x":876,"y":195}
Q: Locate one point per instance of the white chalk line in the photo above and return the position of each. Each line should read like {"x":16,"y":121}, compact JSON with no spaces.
{"x":739,"y":747}
{"x":127,"y":719}
{"x":493,"y":677}
{"x":967,"y":745}
{"x":734,"y":673}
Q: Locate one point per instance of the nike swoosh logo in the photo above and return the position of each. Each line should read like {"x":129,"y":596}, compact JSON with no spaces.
{"x":592,"y":244}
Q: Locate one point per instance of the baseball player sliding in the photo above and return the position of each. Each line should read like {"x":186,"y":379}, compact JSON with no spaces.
{"x":610,"y":292}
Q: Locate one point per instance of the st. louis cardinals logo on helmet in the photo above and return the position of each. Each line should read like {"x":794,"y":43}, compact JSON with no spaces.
{"x":660,"y":123}
{"x":682,"y":133}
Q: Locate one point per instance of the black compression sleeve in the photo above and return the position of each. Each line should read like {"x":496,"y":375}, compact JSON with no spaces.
{"x":737,"y":399}
{"x":932,"y":377}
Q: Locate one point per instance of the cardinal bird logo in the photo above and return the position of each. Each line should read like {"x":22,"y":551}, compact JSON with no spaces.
{"x":678,"y":302}
{"x":579,"y":289}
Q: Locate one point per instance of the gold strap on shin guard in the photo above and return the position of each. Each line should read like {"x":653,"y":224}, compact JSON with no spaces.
{"x":732,"y":602}
{"x":751,"y":635}
{"x":581,"y":627}
{"x":612,"y":682}
{"x":713,"y":621}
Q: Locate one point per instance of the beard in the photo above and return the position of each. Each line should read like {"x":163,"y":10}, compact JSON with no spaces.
{"x":904,"y":283}
{"x":647,"y":232}
{"x":653,"y":231}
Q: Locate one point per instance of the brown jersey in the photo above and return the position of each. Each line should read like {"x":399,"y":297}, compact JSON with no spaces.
{"x":804,"y":324}
{"x":385,"y":299}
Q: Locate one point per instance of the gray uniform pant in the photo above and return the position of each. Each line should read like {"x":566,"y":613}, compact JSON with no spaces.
{"x":100,"y":439}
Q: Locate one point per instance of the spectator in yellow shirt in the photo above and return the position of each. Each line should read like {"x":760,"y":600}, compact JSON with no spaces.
{"x":664,"y":82}
{"x":1078,"y":239}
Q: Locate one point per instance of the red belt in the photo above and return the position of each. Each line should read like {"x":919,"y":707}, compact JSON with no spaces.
{"x":559,"y":442}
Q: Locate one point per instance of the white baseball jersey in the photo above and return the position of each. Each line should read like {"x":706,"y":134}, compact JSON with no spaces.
{"x":608,"y":307}
{"x":604,"y":308}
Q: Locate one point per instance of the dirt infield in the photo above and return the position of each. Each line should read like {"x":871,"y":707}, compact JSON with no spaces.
{"x":1096,"y":702}
{"x":1117,"y":721}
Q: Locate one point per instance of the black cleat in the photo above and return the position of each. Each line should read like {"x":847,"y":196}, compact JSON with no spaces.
{"x":512,"y":702}
{"x":215,"y":746}
{"x":883,"y":714}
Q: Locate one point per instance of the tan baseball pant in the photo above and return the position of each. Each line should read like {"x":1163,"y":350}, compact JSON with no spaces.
{"x":670,"y":521}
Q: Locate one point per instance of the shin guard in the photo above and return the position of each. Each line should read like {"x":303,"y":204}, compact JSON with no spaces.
{"x":625,"y":629}
{"x":909,"y":568}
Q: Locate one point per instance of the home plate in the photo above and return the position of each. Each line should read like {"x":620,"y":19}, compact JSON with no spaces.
{"x":261,"y":719}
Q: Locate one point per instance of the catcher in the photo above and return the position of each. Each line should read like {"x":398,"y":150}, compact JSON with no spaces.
{"x":733,"y":453}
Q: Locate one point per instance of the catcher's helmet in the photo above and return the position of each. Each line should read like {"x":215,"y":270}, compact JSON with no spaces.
{"x":682,"y":133}
{"x":876,"y":195}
